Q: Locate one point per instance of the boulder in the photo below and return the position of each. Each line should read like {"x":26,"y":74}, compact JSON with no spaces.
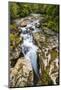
{"x":21,"y":74}
{"x":23,"y":24}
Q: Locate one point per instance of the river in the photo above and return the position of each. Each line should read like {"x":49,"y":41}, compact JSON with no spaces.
{"x":29,"y":49}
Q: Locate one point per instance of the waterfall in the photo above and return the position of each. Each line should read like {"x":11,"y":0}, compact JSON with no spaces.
{"x":28,"y":48}
{"x":32,"y":55}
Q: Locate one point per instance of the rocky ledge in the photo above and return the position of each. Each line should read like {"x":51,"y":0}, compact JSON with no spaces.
{"x":21,"y":74}
{"x":47,"y":58}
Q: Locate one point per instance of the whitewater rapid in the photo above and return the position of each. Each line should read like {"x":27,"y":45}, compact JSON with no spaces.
{"x":29,"y":49}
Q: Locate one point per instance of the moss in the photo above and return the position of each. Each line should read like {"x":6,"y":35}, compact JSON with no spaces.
{"x":14,"y":37}
{"x":14,"y":40}
{"x":11,"y":47}
{"x":14,"y":29}
{"x":54,"y":54}
{"x":45,"y":79}
{"x":13,"y":26}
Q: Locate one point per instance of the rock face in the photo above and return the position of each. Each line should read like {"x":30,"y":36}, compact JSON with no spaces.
{"x":49,"y":67}
{"x":15,"y":53}
{"x":48,"y":58}
{"x":15,"y":50}
{"x":39,"y":37}
{"x":15,"y":42}
{"x":21,"y":74}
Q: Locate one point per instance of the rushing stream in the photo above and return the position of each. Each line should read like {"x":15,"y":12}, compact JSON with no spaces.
{"x":40,"y":47}
{"x":29,"y":49}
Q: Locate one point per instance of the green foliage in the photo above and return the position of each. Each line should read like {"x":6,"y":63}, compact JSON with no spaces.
{"x":13,"y":7}
{"x":54,"y":54}
{"x":14,"y":37}
{"x":13,"y":27}
{"x":51,"y":13}
{"x":52,"y":17}
{"x":45,"y":79}
{"x":50,"y":22}
{"x":14,"y":41}
{"x":24,"y":10}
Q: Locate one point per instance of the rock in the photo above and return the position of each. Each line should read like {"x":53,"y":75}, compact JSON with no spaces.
{"x":37,"y":25}
{"x":38,"y":38}
{"x":15,"y":42}
{"x":15,"y":30}
{"x":53,"y":72}
{"x":14,"y":55}
{"x":15,"y":46}
{"x":48,"y":31}
{"x":48,"y":60}
{"x":47,"y":42}
{"x":17,"y":21}
{"x":21,"y":74}
{"x":24,"y":22}
{"x":52,"y":42}
{"x":19,"y":28}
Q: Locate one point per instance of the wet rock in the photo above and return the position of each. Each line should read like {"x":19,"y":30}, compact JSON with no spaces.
{"x":37,"y":25}
{"x":21,"y":74}
{"x":24,"y":22}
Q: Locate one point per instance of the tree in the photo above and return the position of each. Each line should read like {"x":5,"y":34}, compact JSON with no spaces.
{"x":13,"y":7}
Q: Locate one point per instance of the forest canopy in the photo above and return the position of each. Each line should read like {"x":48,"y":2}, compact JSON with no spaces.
{"x":51,"y":12}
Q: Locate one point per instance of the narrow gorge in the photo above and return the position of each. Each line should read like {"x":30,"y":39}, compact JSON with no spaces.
{"x":34,"y":60}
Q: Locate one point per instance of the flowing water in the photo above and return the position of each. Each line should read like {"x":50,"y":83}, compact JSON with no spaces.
{"x":29,"y":49}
